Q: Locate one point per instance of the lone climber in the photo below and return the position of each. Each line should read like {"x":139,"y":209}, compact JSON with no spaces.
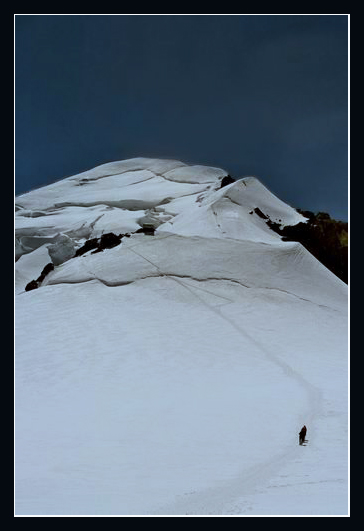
{"x":302,"y":435}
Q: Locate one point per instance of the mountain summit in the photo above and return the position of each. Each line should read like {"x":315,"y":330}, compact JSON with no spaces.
{"x":169,"y":347}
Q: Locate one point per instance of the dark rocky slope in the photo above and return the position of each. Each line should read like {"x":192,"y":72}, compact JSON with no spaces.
{"x":324,"y":237}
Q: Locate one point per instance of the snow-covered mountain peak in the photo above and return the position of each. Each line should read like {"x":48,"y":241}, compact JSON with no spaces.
{"x":170,"y":346}
{"x":239,"y":210}
{"x":158,"y":166}
{"x":173,"y":198}
{"x":130,"y":184}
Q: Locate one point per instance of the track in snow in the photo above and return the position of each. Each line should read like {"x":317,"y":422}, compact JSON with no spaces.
{"x":212,"y":501}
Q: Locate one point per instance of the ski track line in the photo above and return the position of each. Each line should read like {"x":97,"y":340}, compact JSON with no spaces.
{"x":212,"y":501}
{"x":218,"y":497}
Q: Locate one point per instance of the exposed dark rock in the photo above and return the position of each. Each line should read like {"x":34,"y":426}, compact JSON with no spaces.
{"x":226,"y":180}
{"x":33,"y":284}
{"x":87,"y":246}
{"x":107,"y":241}
{"x":274,"y":226}
{"x":325,"y":238}
{"x":47,"y":269}
{"x":321,"y":216}
{"x":260,"y":213}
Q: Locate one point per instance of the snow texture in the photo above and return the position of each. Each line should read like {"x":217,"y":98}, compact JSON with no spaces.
{"x":171,"y":374}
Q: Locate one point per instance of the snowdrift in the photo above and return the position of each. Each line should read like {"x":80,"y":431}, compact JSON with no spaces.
{"x":171,"y":373}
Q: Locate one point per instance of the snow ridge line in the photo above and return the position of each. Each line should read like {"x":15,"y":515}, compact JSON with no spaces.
{"x":77,"y":178}
{"x":92,"y":179}
{"x":154,"y":174}
{"x":161,"y":274}
{"x":122,"y":203}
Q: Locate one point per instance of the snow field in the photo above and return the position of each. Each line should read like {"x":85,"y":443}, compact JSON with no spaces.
{"x":187,"y":411}
{"x":172,"y":374}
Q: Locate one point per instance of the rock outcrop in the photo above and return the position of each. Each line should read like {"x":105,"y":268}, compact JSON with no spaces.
{"x":322,"y":236}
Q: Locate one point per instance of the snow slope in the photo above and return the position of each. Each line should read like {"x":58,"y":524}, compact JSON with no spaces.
{"x":171,"y":374}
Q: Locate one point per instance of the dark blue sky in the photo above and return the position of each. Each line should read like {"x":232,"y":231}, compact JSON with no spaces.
{"x":255,"y":95}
